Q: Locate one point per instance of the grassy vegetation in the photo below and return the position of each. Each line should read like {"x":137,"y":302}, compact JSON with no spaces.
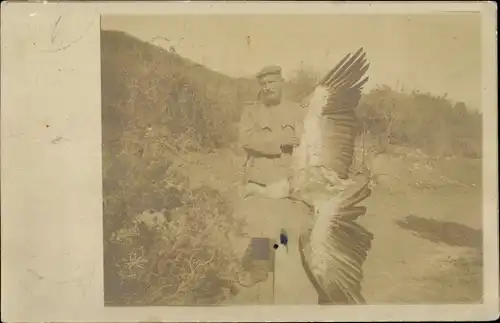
{"x":157,"y":106}
{"x":425,"y":121}
{"x":167,"y":243}
{"x":431,"y":123}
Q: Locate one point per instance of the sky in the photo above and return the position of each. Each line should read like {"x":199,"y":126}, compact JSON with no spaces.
{"x":437,"y":53}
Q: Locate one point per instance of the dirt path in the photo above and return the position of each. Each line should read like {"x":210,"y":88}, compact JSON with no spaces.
{"x":426,"y":249}
{"x":427,"y":246}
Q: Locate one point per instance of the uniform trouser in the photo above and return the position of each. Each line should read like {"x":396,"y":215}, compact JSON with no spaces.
{"x":265,"y":218}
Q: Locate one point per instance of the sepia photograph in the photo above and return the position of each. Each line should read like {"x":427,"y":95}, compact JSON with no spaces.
{"x":292,"y":159}
{"x":249,"y":161}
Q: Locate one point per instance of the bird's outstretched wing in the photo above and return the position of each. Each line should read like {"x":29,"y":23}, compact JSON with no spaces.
{"x":333,"y":105}
{"x":337,"y":257}
{"x":344,"y":84}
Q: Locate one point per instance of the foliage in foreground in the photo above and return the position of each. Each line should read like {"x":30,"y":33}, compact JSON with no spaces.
{"x":154,"y":110}
{"x":165,"y":243}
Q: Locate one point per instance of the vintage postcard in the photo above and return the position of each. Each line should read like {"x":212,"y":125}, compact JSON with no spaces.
{"x":180,"y":162}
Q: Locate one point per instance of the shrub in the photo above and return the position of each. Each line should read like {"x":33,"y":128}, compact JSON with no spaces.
{"x":156,"y":107}
{"x":422,"y":121}
{"x":183,"y":259}
{"x":416,"y":120}
{"x":147,"y":86}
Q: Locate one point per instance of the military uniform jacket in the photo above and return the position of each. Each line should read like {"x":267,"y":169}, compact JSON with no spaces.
{"x":262,"y":132}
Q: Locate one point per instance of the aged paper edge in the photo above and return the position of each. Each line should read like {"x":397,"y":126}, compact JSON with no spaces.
{"x":60,"y":185}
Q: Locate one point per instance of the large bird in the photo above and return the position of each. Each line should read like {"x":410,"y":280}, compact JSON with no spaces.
{"x":333,"y":246}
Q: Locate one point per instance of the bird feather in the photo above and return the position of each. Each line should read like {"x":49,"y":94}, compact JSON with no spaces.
{"x":336,"y":247}
{"x":337,"y":261}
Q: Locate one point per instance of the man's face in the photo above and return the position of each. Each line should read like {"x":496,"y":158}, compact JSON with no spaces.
{"x":271,"y":88}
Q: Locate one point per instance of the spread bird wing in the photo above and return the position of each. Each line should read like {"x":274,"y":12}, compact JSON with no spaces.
{"x":339,"y":251}
{"x":330,"y":124}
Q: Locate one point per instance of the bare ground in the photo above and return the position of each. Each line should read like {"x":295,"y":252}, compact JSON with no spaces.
{"x":427,"y":246}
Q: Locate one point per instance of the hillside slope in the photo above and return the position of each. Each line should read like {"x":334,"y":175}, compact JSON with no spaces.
{"x":145,"y":85}
{"x":164,"y":242}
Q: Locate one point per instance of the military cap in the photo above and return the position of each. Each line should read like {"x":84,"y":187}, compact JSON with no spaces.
{"x":268,"y":70}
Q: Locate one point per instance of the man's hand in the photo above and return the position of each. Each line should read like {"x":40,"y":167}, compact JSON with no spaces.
{"x":292,"y":141}
{"x":289,"y":138}
{"x":295,"y":141}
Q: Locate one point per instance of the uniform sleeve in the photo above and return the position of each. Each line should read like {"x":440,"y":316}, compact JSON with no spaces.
{"x":293,"y":125}
{"x":253,"y":139}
